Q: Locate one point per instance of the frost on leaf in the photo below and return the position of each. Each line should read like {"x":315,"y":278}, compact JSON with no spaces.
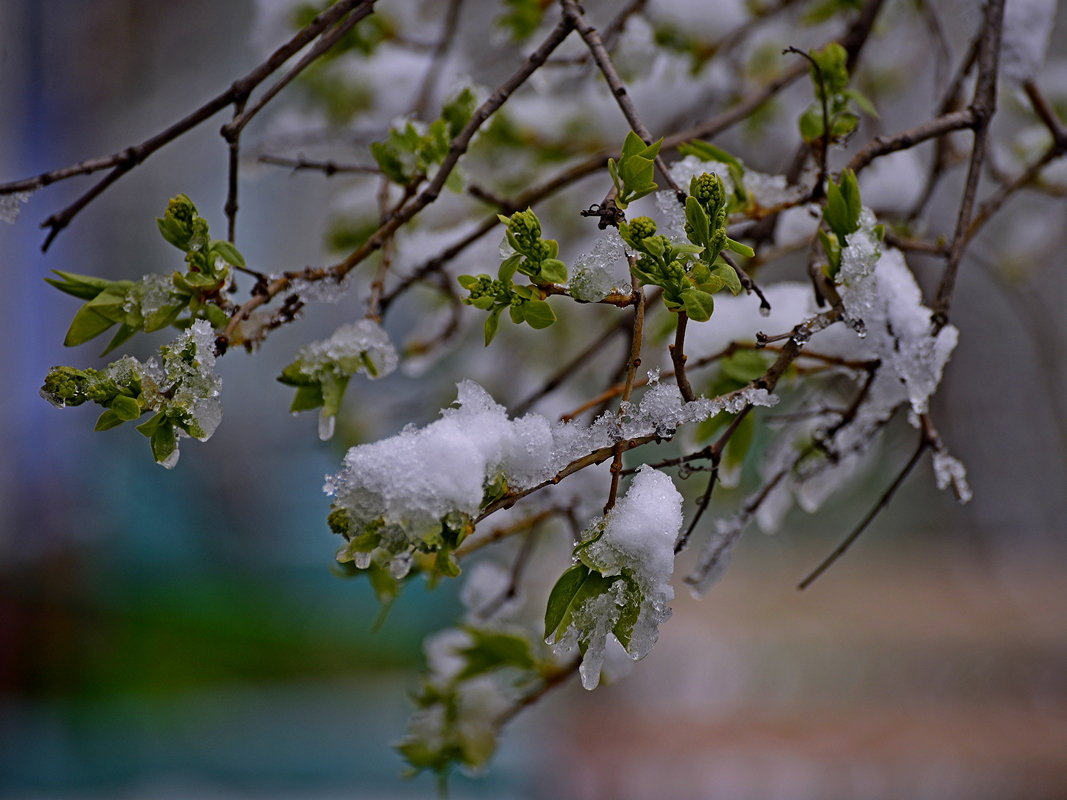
{"x":322,"y":370}
{"x":620,"y":588}
{"x":183,"y":392}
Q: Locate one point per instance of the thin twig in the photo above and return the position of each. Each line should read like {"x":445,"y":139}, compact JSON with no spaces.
{"x":637,"y":336}
{"x":437,"y":58}
{"x":327,"y":168}
{"x":125,"y":160}
{"x":592,"y":40}
{"x":883,"y":501}
{"x":983,"y":107}
{"x":428,"y":195}
{"x":677,"y":351}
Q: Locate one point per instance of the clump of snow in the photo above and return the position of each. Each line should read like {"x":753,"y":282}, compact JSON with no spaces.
{"x":949,"y":471}
{"x":602,"y":271}
{"x":717,"y":554}
{"x":797,"y":225}
{"x":858,"y":258}
{"x":639,"y":537}
{"x":327,"y":290}
{"x":11,"y":205}
{"x":149,"y":295}
{"x":485,"y":593}
{"x":347,"y":351}
{"x":894,"y":182}
{"x":636,"y":542}
{"x":410,"y":481}
{"x":770,"y":190}
{"x":1025,"y":36}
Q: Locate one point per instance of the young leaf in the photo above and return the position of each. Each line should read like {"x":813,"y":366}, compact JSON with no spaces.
{"x":706,"y":151}
{"x":739,"y":248}
{"x":562,"y":597}
{"x":164,"y":442}
{"x":227,"y":252}
{"x":553,"y":271}
{"x":87,"y":324}
{"x":492,"y":650}
{"x":306,"y":398}
{"x":108,"y":420}
{"x":492,"y":322}
{"x":126,"y":408}
{"x":699,"y":305}
{"x":538,"y":314}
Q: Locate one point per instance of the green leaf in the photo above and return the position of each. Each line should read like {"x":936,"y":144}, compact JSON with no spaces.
{"x":739,"y":248}
{"x":843,"y":124}
{"x":850,"y":191}
{"x":333,"y":392}
{"x":742,"y":368}
{"x":216,"y":316}
{"x":624,"y":628}
{"x":561,"y":598}
{"x":492,"y":322}
{"x":810,"y":124}
{"x":538,"y":314}
{"x":164,"y":442}
{"x":162,"y":317}
{"x":174,"y":232}
{"x":507,"y":271}
{"x":306,"y":398}
{"x":85,"y":287}
{"x":698,"y":305}
{"x":87,"y":324}
{"x":227,"y":252}
{"x":125,"y":407}
{"x":457,"y":111}
{"x":149,"y":427}
{"x":553,"y":271}
{"x":108,"y":420}
{"x":490,"y":650}
{"x":832,"y":248}
{"x":389,"y":162}
{"x":576,"y":586}
{"x":706,"y":151}
{"x":517,"y":313}
{"x":728,"y":275}
{"x":632,"y":145}
{"x":862,"y":102}
{"x":699,"y":224}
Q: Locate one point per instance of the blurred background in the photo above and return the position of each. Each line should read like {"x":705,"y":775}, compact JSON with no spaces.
{"x":171,"y":634}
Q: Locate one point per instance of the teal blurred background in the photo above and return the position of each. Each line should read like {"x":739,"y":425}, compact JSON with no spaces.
{"x":179,"y":634}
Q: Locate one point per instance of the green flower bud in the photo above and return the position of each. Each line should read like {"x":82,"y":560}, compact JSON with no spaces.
{"x":709,"y":190}
{"x":525,"y":227}
{"x":641,"y":228}
{"x":181,"y":209}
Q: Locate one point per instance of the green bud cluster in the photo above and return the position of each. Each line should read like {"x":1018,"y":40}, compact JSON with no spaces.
{"x":641,"y":228}
{"x":534,"y":257}
{"x":69,"y":386}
